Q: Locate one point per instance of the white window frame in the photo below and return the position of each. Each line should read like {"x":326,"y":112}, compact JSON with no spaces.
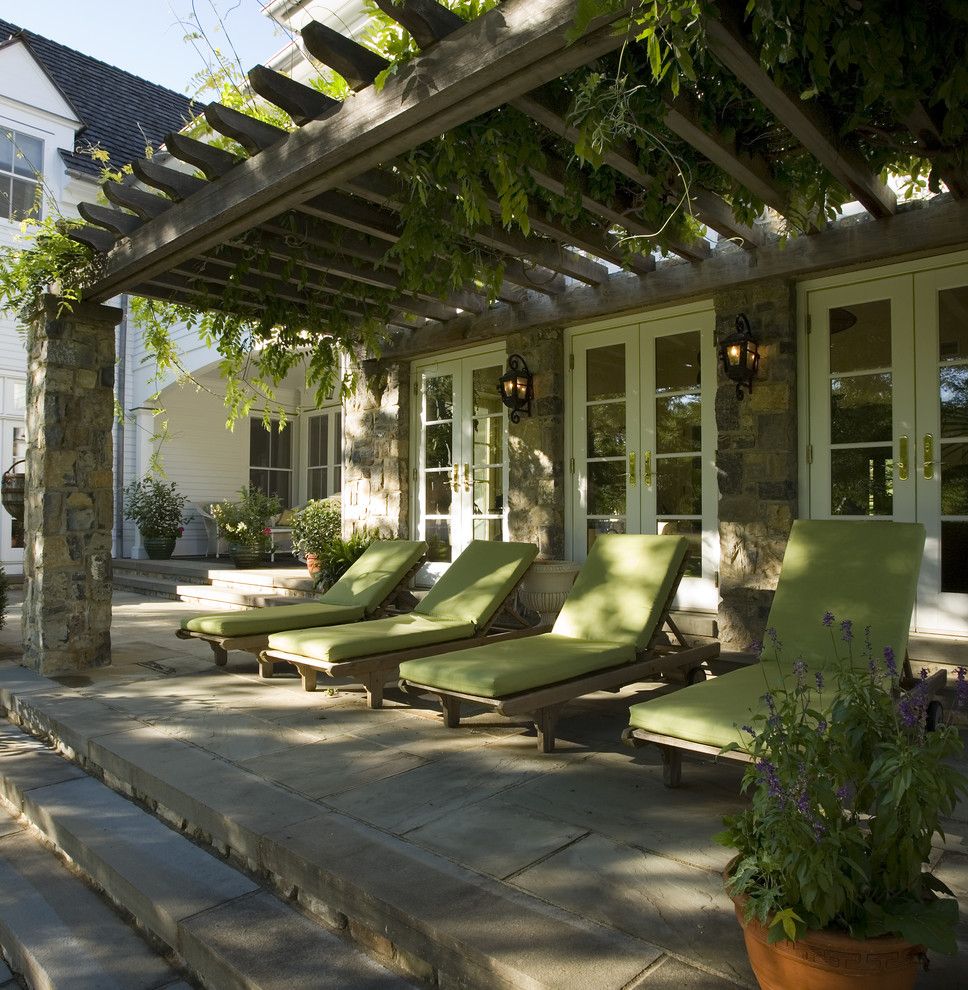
{"x":333,"y":413}
{"x":37,"y":179}
{"x":256,"y":421}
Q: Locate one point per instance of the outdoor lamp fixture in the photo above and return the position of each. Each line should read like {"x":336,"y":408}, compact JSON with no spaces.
{"x":740,"y":355}
{"x":516,"y":387}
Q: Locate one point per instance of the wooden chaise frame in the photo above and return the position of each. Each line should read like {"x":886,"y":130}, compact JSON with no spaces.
{"x":672,"y":747}
{"x":375,"y":670}
{"x":543,"y":705}
{"x":398,"y":600}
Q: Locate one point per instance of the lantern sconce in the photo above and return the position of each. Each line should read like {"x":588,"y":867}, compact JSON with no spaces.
{"x":740,"y":355}
{"x":516,"y":387}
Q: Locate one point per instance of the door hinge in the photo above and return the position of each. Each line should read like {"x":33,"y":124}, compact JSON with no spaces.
{"x":810,"y":453}
{"x":571,"y":362}
{"x":716,"y":578}
{"x":571,"y":466}
{"x":809,"y":324}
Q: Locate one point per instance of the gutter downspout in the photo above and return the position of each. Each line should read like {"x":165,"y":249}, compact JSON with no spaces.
{"x":119,"y":395}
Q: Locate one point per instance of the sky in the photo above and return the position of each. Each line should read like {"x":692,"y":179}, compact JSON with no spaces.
{"x":146,"y":36}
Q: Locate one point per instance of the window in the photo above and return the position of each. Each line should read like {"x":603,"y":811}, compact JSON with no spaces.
{"x":324,"y":458}
{"x":270,"y":459}
{"x":21,"y":175}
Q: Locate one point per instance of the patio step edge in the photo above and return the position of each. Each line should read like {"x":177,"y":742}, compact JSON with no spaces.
{"x":223,"y":926}
{"x":150,"y":587}
{"x":434,"y":919}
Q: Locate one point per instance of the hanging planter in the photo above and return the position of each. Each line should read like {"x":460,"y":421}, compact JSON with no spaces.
{"x":12,"y":490}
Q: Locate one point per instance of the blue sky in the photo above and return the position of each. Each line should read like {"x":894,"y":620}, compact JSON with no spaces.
{"x":146,"y":36}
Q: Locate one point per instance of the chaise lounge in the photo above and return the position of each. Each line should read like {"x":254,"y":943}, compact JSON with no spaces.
{"x":460,"y":611}
{"x":864,"y":571}
{"x":609,"y":633}
{"x":376,"y":581}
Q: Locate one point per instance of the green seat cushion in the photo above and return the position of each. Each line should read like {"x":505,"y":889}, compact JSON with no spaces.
{"x":865,"y":571}
{"x":374,"y":575}
{"x":622,"y":588}
{"x":477,"y":582}
{"x":364,"y":639}
{"x":500,"y":669}
{"x":262,"y":621}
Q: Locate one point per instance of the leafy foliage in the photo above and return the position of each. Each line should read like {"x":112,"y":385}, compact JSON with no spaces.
{"x":848,"y":789}
{"x":316,"y":526}
{"x":156,"y":508}
{"x":339,"y":555}
{"x":246,"y":522}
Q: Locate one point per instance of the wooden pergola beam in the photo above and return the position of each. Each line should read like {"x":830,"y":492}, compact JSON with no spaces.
{"x":118,"y":222}
{"x":804,"y":121}
{"x":426,"y":21}
{"x":213,"y":162}
{"x":356,"y":64}
{"x":302,"y":103}
{"x":145,"y":204}
{"x":179,"y":185}
{"x":254,"y":135}
{"x":507,"y":51}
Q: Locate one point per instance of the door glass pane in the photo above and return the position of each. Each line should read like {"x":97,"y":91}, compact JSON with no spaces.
{"x":606,"y":430}
{"x":438,"y":493}
{"x":860,"y":408}
{"x":678,"y":423}
{"x":954,"y":479}
{"x":954,"y":400}
{"x":488,"y":490}
{"x":862,"y":481}
{"x":439,"y":445}
{"x":692,"y":530}
{"x":953,"y":323}
{"x":606,"y":488}
{"x":488,"y":529}
{"x":860,"y":336}
{"x":954,"y":557}
{"x":489,"y":440}
{"x":677,"y":362}
{"x":599,"y":526}
{"x":605,"y":372}
{"x":487,"y":402}
{"x":440,"y":397}
{"x":679,"y":486}
{"x":438,"y":540}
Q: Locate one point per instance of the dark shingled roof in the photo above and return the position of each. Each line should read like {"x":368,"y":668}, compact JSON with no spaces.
{"x":121,"y":112}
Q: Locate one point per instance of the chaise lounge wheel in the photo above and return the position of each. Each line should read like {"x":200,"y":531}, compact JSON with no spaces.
{"x":933,"y":715}
{"x":696,"y":676}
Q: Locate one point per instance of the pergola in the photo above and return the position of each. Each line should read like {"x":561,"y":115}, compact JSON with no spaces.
{"x":325,"y":197}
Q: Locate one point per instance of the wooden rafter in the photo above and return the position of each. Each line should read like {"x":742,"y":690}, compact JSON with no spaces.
{"x":302,"y":103}
{"x":356,"y":64}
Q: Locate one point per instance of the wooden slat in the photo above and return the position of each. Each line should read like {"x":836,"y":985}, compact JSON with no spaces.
{"x":213,"y":162}
{"x":710,"y":209}
{"x":356,"y":64}
{"x":178,"y":185}
{"x":116,"y":221}
{"x":804,"y":121}
{"x":94,"y":237}
{"x":254,"y":135}
{"x":427,"y":22}
{"x":302,"y":103}
{"x":147,"y":205}
{"x":505,"y":52}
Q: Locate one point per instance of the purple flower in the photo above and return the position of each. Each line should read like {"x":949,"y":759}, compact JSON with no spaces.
{"x":818,"y":677}
{"x":889,"y":662}
{"x":871,"y":667}
{"x":961,"y":697}
{"x":822,"y":727}
{"x":772,"y":634}
{"x":843,"y":793}
{"x":799,"y":668}
{"x":909,"y":710}
{"x":769,"y":776}
{"x":748,"y":729}
{"x":847,"y":630}
{"x":769,"y":702}
{"x":756,"y":647}
{"x":828,"y":619}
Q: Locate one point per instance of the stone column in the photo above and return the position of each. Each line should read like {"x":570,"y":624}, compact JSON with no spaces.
{"x":756,"y":461}
{"x":376,"y":452}
{"x":536,"y":446}
{"x":69,"y":498}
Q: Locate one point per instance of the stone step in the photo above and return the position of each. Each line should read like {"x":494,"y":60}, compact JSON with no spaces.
{"x":149,"y":587}
{"x":431,"y":916}
{"x":209,"y":596}
{"x":58,"y":933}
{"x":225,"y":928}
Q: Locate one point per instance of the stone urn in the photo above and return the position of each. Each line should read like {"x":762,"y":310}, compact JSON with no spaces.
{"x":245,"y":555}
{"x":159,"y":547}
{"x":546,"y":586}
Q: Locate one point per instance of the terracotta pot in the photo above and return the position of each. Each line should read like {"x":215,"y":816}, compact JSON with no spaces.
{"x":312,"y":564}
{"x":827,"y":960}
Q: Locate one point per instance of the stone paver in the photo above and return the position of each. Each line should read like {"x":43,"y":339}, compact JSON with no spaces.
{"x":27,"y":763}
{"x":672,"y":974}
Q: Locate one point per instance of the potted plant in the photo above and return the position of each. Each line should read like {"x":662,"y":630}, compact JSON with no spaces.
{"x":314,"y":528}
{"x":158,"y":510}
{"x":339,"y":555}
{"x":245,"y":524}
{"x":848,"y":789}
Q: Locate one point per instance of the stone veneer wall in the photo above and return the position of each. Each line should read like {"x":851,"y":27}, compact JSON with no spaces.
{"x":69,"y":496}
{"x":756,"y":461}
{"x":376,"y":452}
{"x":536,"y":446}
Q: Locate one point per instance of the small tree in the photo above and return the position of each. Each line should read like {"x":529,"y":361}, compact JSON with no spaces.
{"x":156,"y":508}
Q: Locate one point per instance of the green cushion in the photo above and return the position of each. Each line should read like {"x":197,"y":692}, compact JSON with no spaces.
{"x":364,"y":639}
{"x":501,"y":669}
{"x":262,"y":621}
{"x":863,"y":571}
{"x":622,"y":588}
{"x":381,"y":567}
{"x":474,"y":586}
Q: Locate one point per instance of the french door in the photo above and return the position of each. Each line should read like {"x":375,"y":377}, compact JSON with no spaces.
{"x":643,"y":436}
{"x":888,"y":366}
{"x":461,"y":455}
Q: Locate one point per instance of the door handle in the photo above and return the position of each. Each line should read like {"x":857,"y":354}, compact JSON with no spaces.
{"x":647,"y":469}
{"x":632,"y":468}
{"x":467,"y":477}
{"x":455,"y":479}
{"x":902,"y":458}
{"x":928,"y":456}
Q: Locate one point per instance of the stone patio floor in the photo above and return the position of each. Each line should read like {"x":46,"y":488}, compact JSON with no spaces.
{"x":590,"y":828}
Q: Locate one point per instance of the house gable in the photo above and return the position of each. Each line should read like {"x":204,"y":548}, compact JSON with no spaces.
{"x":23,"y":80}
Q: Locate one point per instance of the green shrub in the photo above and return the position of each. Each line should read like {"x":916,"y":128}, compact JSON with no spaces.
{"x":156,"y":508}
{"x":246,"y":522}
{"x":339,"y":555}
{"x":316,"y":525}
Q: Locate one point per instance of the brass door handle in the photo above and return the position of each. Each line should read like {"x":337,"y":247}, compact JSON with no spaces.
{"x":632,"y":468}
{"x":902,"y":458}
{"x":647,"y":469}
{"x":928,"y":456}
{"x":455,"y":479}
{"x":467,"y":477}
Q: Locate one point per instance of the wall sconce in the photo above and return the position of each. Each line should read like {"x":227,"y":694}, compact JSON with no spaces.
{"x":740,"y":356}
{"x":516,"y":387}
{"x":375,"y":375}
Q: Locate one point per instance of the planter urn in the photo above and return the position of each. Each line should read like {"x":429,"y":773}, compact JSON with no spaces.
{"x":159,"y":547}
{"x":546,"y":587}
{"x":244,"y":557}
